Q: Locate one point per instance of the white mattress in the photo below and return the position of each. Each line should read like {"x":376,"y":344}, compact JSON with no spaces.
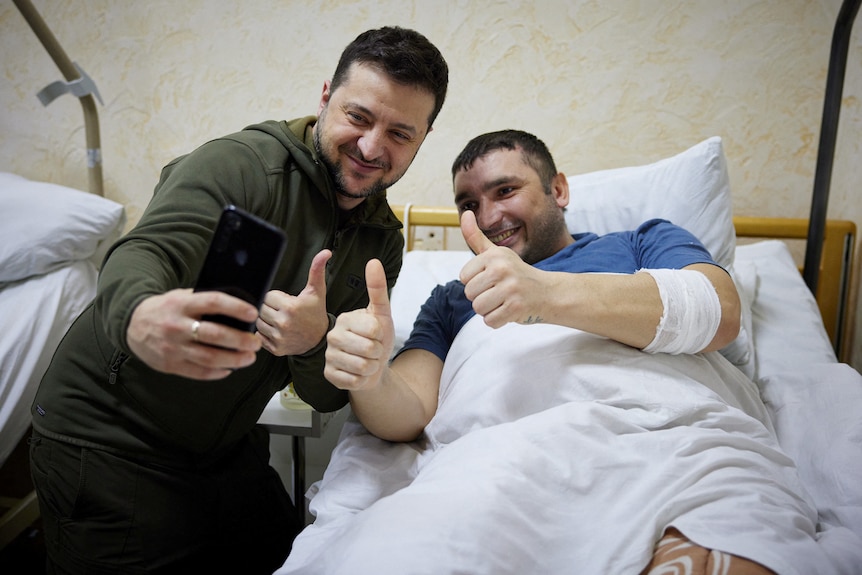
{"x":35,"y":315}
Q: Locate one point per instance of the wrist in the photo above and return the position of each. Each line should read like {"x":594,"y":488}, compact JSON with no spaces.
{"x":322,"y":343}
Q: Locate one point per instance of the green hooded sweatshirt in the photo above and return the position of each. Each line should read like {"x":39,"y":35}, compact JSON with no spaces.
{"x":97,"y":393}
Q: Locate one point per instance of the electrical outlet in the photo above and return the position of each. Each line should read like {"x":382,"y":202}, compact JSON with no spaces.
{"x":428,"y":238}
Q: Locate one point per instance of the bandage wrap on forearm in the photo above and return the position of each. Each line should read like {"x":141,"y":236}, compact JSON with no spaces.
{"x":692,"y":311}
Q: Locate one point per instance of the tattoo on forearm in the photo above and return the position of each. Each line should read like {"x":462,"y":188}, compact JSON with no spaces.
{"x":531,"y":320}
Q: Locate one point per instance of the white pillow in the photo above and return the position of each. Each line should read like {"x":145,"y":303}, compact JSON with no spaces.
{"x":741,"y":352}
{"x":43,"y":226}
{"x":785,"y":315}
{"x":691,"y":190}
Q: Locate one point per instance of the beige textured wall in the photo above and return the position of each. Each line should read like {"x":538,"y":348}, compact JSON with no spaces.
{"x":605,"y":84}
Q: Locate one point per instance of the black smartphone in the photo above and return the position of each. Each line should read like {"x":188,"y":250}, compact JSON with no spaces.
{"x":242,"y":259}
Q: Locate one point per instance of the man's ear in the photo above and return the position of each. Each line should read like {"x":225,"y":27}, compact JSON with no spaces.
{"x":325,"y":94}
{"x":560,"y":189}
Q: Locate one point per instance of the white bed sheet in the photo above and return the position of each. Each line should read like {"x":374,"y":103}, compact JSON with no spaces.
{"x":35,"y":315}
{"x":813,"y":403}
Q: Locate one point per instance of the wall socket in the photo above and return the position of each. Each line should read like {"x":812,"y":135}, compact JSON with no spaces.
{"x":428,"y":238}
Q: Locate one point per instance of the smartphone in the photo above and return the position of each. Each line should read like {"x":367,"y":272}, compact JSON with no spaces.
{"x":241,"y":260}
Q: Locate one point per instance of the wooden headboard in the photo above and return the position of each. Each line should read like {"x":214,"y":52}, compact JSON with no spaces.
{"x":836,"y":265}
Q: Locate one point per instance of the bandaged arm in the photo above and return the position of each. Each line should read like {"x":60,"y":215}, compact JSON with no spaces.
{"x":691,"y":313}
{"x":631,"y":308}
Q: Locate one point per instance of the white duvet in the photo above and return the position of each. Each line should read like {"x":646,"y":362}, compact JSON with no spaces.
{"x":555,"y":451}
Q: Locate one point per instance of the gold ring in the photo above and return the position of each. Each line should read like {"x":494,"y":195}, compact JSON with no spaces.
{"x":196,"y":325}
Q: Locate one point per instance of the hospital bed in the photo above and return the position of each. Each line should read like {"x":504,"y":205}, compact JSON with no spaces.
{"x":52,"y":239}
{"x":540,"y":498}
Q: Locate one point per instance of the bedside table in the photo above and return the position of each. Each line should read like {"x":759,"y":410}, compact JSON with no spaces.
{"x":299,"y":424}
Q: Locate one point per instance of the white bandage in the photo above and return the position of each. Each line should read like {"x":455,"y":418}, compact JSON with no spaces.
{"x":692,"y":311}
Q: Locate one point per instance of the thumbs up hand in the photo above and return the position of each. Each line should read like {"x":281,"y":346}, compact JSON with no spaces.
{"x":359,"y":346}
{"x":501,"y":286}
{"x":378,"y":292}
{"x":476,"y":240}
{"x":292,"y":325}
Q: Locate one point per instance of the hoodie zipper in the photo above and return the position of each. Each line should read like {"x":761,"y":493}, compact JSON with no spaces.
{"x":115,"y":367}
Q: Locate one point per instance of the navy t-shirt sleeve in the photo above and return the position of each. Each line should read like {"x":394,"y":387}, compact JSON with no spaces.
{"x":440,"y":319}
{"x":662,"y":245}
{"x":655,"y":244}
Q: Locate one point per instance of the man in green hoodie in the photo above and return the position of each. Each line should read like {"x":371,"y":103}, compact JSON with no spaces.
{"x":146,"y":455}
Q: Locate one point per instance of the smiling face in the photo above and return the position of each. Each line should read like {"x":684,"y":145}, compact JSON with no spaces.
{"x":511,"y":205}
{"x":368,"y":132}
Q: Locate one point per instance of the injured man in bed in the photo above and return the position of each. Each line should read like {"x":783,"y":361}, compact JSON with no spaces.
{"x":557,"y":410}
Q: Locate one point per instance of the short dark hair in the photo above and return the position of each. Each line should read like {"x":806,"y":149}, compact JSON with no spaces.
{"x":405,"y":55}
{"x":534,"y":151}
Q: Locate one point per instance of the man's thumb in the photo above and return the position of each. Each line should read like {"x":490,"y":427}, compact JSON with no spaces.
{"x":476,"y":240}
{"x":375,"y":282}
{"x":317,"y":272}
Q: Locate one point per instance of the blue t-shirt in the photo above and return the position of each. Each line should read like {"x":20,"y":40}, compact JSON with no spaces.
{"x":656,"y":244}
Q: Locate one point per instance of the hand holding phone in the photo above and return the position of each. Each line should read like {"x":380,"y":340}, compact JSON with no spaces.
{"x":241,"y":261}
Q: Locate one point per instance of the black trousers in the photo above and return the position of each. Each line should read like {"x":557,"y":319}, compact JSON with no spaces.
{"x":102,"y":513}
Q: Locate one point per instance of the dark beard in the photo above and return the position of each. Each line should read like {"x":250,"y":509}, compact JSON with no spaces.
{"x":544,"y":234}
{"x":337,"y":176}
